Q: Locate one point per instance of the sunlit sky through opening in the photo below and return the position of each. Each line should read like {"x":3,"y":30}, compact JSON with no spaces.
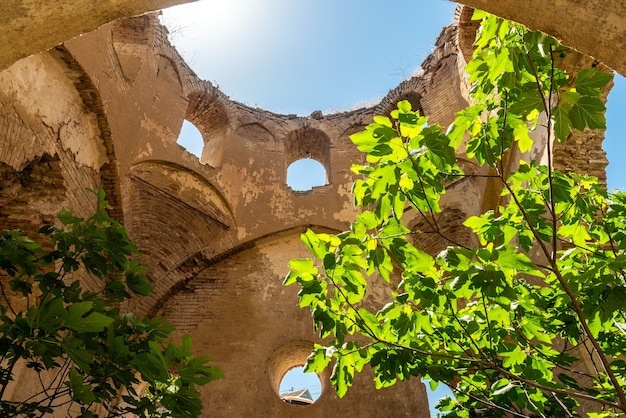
{"x":296,"y":57}
{"x":300,"y":56}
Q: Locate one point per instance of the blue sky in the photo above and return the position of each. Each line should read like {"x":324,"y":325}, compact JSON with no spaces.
{"x":331,"y":55}
{"x":298,"y":56}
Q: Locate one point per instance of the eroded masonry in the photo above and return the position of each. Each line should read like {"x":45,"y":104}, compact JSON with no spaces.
{"x":217,"y":232}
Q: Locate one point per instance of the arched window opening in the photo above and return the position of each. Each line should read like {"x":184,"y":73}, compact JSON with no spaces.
{"x":191,"y":139}
{"x":287,"y":377}
{"x":300,"y":388}
{"x":304,"y":174}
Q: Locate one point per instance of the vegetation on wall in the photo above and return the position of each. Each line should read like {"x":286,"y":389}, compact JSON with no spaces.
{"x":529,"y":321}
{"x":64,"y":348}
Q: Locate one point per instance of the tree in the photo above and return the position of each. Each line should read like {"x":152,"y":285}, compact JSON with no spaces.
{"x":531,"y":320}
{"x":88,"y":357}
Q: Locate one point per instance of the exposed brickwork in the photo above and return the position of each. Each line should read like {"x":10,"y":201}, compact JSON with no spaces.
{"x":435,"y":233}
{"x":29,"y":197}
{"x":466,"y":33}
{"x":308,"y":143}
{"x":136,"y":30}
{"x":263,"y":337}
{"x":217,"y":232}
{"x":582,"y":152}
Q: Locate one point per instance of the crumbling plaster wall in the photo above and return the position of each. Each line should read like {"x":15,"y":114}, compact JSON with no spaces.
{"x":52,"y":145}
{"x":146,"y":111}
{"x":216,"y":232}
{"x":596,"y":28}
{"x":33,"y":26}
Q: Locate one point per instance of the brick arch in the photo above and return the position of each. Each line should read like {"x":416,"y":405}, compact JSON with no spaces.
{"x":207,"y":112}
{"x":174,"y":212}
{"x":51,"y":153}
{"x":397,"y":95}
{"x":237,"y":310}
{"x":308,"y":142}
{"x":75,"y":133}
{"x":466,"y":32}
{"x":92,"y":100}
{"x":257,"y":134}
{"x":177,"y":279}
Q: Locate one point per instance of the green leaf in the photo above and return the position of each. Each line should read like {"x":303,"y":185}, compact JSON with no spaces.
{"x":317,"y":244}
{"x":94,"y":322}
{"x":319,"y":359}
{"x":561,"y":120}
{"x":81,"y":392}
{"x":510,"y":257}
{"x":404,"y":106}
{"x":591,"y":80}
{"x":576,"y":231}
{"x":481,"y":314}
{"x":502,"y":390}
{"x":136,"y":280}
{"x":524,"y":141}
{"x":513,"y":358}
{"x":49,"y":316}
{"x":109,"y":351}
{"x":75,"y":348}
{"x":303,"y":266}
{"x":68,"y":218}
{"x":527,"y":103}
{"x":615,"y":300}
{"x":588,"y":112}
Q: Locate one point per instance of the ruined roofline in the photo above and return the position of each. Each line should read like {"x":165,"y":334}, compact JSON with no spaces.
{"x":414,"y":87}
{"x":599,"y":31}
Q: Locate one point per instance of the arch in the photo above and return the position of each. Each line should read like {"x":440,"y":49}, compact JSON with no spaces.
{"x":256,"y":136}
{"x":466,"y":32}
{"x":186,"y":185}
{"x":255,"y":131}
{"x":176,"y":279}
{"x":237,"y":310}
{"x":288,"y":356}
{"x":175,"y":212}
{"x":308,"y":143}
{"x":411,"y":96}
{"x":206,"y":111}
{"x":92,"y":100}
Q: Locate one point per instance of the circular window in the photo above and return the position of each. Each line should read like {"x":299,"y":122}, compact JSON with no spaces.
{"x":300,"y":388}
{"x":287,"y":377}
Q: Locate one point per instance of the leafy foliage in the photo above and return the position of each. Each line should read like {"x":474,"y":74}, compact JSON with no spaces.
{"x":87,"y":355}
{"x":530,"y":321}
